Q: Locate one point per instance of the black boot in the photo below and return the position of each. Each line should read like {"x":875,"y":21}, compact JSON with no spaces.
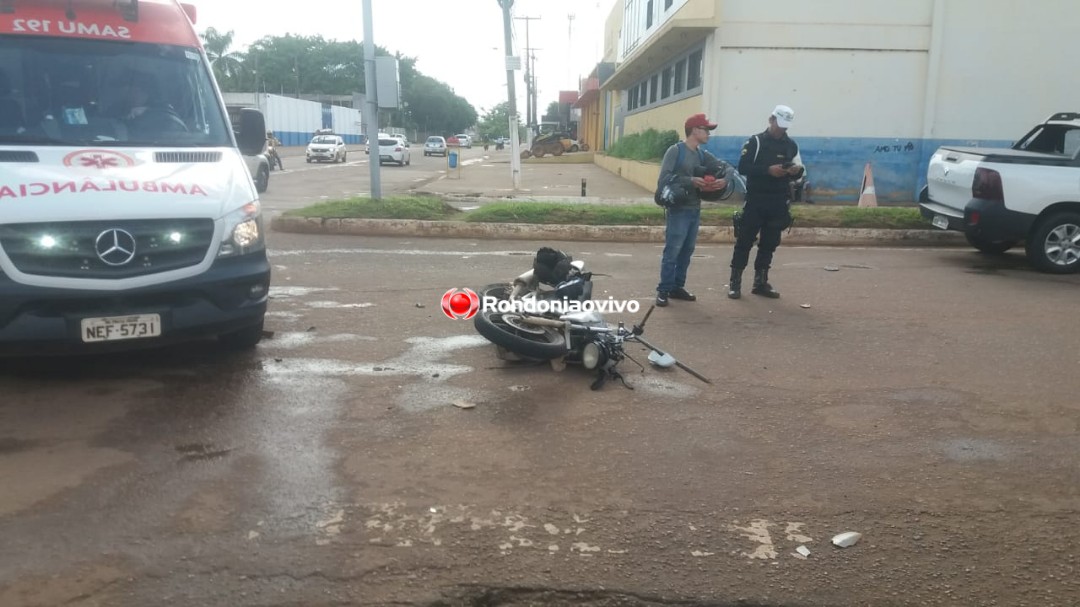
{"x":735,"y":284}
{"x":762,"y":286}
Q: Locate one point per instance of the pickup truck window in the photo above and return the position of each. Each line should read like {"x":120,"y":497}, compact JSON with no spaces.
{"x":1051,"y":139}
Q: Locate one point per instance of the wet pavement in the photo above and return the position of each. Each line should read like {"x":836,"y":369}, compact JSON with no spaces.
{"x":924,"y":398}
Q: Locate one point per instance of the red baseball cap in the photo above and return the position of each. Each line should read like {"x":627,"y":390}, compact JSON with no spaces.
{"x":699,"y":120}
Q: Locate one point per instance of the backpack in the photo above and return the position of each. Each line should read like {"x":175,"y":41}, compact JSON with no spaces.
{"x":671,"y":193}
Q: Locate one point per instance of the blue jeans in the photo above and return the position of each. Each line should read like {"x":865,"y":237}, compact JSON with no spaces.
{"x":680,"y":238}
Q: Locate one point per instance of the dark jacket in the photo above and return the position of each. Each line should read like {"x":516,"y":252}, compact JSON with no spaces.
{"x":685,"y":171}
{"x":759,"y":153}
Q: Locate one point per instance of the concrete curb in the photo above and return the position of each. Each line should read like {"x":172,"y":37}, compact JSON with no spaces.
{"x":524,"y":231}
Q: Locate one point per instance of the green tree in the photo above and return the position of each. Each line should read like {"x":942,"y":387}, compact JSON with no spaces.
{"x":496,"y":121}
{"x":310,"y":65}
{"x":553,"y":113}
{"x":226,"y":63}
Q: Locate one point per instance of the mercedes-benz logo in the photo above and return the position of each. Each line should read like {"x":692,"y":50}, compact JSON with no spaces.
{"x":115,"y":247}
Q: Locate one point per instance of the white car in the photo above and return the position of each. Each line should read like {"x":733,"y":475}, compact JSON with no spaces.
{"x":393,"y":150}
{"x":259,"y":167}
{"x":464,"y":140}
{"x":327,"y":147}
{"x":435,"y":145}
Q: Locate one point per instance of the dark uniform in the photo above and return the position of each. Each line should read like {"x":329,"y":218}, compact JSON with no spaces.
{"x":767,"y":208}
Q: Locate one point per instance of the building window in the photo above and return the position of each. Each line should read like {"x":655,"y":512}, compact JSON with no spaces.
{"x":693,"y":75}
{"x":643,"y":92}
{"x":631,"y":98}
{"x":668,"y":3}
{"x":648,"y":14}
{"x":653,"y":88}
{"x":665,"y":90}
{"x":680,"y":76}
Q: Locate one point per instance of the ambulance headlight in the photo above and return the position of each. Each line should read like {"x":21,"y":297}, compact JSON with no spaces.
{"x":244,"y":231}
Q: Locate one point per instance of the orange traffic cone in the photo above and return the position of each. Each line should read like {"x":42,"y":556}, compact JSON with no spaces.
{"x":867,"y":195}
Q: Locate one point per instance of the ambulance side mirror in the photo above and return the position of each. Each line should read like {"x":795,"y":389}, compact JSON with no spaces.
{"x":252,"y":136}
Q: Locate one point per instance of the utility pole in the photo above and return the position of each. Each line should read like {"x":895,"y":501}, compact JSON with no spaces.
{"x":515,"y":153}
{"x":530,"y":60}
{"x":535,"y":92}
{"x":530,"y":99}
{"x":372,"y":117}
{"x":570,"y":47}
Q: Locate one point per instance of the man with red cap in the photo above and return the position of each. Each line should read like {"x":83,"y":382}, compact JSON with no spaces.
{"x":682,"y":162}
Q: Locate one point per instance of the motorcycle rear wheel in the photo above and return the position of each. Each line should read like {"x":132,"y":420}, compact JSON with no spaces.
{"x":542,"y":343}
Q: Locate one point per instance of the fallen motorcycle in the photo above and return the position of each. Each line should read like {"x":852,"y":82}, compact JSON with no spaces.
{"x":542,"y":316}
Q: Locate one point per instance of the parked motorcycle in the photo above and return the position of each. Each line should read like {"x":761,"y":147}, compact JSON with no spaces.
{"x":569,"y":332}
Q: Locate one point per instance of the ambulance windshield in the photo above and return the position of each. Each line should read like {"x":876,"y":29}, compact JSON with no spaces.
{"x":65,"y":92}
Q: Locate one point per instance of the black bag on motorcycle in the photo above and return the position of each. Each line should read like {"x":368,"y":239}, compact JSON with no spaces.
{"x":551,"y":266}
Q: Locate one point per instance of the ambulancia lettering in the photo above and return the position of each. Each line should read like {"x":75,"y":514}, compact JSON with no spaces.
{"x":27,"y":190}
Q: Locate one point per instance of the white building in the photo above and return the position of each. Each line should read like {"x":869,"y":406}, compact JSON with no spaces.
{"x":879,"y":81}
{"x":294,"y":121}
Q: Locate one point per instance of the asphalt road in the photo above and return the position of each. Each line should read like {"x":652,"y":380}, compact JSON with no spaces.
{"x":925,"y":399}
{"x":302,"y":183}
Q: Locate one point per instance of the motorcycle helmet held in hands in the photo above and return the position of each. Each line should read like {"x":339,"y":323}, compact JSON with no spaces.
{"x":720,"y":171}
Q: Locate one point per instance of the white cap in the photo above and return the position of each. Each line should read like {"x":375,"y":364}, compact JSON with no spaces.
{"x":784,"y":116}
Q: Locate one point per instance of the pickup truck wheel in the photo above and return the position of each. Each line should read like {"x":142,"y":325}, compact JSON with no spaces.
{"x":990,"y":247}
{"x":1054,"y":246}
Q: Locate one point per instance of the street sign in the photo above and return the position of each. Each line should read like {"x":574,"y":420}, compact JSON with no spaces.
{"x":513,"y":62}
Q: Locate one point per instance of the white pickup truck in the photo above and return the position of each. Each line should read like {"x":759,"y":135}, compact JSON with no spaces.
{"x":1028,"y":193}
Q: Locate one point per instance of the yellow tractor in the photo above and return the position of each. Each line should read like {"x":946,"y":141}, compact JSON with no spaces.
{"x":552,"y":139}
{"x":550,"y":143}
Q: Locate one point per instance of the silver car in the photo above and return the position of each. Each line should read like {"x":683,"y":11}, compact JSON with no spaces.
{"x":435,"y":145}
{"x":327,"y":147}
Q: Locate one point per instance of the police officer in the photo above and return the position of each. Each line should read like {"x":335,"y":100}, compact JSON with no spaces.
{"x":770,"y":161}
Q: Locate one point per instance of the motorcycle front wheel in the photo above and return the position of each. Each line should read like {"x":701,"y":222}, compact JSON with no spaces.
{"x":513,"y":332}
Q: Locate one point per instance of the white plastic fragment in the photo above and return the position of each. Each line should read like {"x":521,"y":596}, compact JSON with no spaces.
{"x":803,"y":550}
{"x":848,"y":539}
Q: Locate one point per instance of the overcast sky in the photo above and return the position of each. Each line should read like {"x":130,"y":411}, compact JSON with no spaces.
{"x":457,"y":41}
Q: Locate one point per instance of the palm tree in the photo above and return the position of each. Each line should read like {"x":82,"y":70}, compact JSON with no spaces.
{"x":226,"y":64}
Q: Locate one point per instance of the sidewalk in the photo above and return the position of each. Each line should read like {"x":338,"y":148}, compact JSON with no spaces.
{"x":489,"y":178}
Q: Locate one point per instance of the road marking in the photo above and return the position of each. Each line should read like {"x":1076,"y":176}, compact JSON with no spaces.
{"x":395,"y":524}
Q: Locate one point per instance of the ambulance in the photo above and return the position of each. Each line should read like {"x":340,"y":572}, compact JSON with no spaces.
{"x":128,"y":217}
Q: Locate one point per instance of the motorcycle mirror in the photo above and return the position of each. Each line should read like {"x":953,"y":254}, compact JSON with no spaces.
{"x":661,"y":360}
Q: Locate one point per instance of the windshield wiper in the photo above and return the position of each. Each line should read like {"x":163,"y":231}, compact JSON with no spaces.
{"x":42,"y":139}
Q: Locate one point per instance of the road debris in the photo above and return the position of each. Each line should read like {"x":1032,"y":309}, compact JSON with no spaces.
{"x":462,"y":404}
{"x":846,"y":540}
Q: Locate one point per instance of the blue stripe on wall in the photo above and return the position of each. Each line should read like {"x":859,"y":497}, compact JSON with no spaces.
{"x":835,"y":165}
